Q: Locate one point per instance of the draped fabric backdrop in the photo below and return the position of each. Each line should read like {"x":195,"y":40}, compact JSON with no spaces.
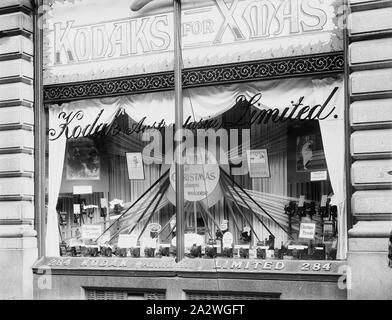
{"x":205,"y":103}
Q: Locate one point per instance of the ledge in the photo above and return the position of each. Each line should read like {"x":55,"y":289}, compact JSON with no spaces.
{"x":317,"y":64}
{"x":286,"y":270}
{"x":371,"y":229}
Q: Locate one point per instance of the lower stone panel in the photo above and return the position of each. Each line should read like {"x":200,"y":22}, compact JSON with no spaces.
{"x":371,"y":277}
{"x":192,"y":279}
{"x":17,"y":256}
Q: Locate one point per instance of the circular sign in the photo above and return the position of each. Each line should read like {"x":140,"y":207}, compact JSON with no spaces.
{"x":201,"y":174}
{"x":227,"y":240}
{"x":154,"y":227}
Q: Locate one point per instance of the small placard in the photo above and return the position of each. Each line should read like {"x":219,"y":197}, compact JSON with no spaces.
{"x":91,"y":231}
{"x":252,"y":254}
{"x":73,"y":242}
{"x":135,"y":166}
{"x":258,"y":163}
{"x":328,"y":228}
{"x":241,"y":246}
{"x":318,"y":176}
{"x":301,"y":201}
{"x":296,"y":247}
{"x":82,"y":189}
{"x":323,"y":202}
{"x":76,"y":208}
{"x":127,"y":241}
{"x":269,"y":254}
{"x":104,"y":203}
{"x":227,"y":240}
{"x":307,"y":230}
{"x":149,"y":243}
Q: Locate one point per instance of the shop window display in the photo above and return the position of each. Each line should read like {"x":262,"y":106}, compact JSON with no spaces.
{"x":273,"y":198}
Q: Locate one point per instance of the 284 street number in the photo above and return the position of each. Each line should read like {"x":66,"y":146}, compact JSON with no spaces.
{"x":316,"y":266}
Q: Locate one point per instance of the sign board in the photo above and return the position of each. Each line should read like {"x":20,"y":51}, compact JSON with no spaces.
{"x":307,"y":231}
{"x":190,"y":239}
{"x":82,"y":190}
{"x":104,"y":203}
{"x":318,"y":176}
{"x":258,"y":163}
{"x":76,"y":208}
{"x":127,"y":241}
{"x":227,"y":240}
{"x":75,"y":242}
{"x":97,"y":39}
{"x":297,"y":247}
{"x":148,"y":243}
{"x":243,"y":266}
{"x":90,"y":231}
{"x":135,"y":166}
{"x":323,"y":202}
{"x":301,"y":201}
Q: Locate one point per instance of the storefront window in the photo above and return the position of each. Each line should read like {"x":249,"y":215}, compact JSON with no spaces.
{"x":263,"y":163}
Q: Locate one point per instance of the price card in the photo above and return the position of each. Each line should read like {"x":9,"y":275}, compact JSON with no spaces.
{"x":127,"y":241}
{"x":242,"y":246}
{"x":135,"y":166}
{"x":227,"y":240}
{"x":149,"y":243}
{"x":91,"y":231}
{"x":318,"y":176}
{"x":296,"y":247}
{"x":269,"y":254}
{"x":75,"y":242}
{"x":258,"y":163}
{"x":82,"y":190}
{"x":307,"y":231}
{"x":104,"y":203}
{"x":76,"y":208}
{"x":301,"y":201}
{"x":323,"y":202}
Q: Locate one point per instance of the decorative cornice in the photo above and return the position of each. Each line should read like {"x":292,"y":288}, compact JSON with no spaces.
{"x":317,"y":64}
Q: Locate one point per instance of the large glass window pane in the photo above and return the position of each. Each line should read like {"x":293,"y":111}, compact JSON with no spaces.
{"x":263,"y":169}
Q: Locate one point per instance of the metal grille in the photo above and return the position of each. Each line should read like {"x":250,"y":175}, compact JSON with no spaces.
{"x":231,"y":296}
{"x":94,"y":294}
{"x":154,"y":296}
{"x":106,"y":295}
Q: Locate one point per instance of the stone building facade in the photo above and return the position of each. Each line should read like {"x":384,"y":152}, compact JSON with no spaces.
{"x":370,"y":87}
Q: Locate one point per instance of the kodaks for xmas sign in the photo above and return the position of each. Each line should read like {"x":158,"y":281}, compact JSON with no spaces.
{"x":82,"y":36}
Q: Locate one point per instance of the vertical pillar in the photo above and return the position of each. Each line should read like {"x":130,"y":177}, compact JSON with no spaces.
{"x":18,"y":243}
{"x":179,"y":117}
{"x":370,"y":90}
